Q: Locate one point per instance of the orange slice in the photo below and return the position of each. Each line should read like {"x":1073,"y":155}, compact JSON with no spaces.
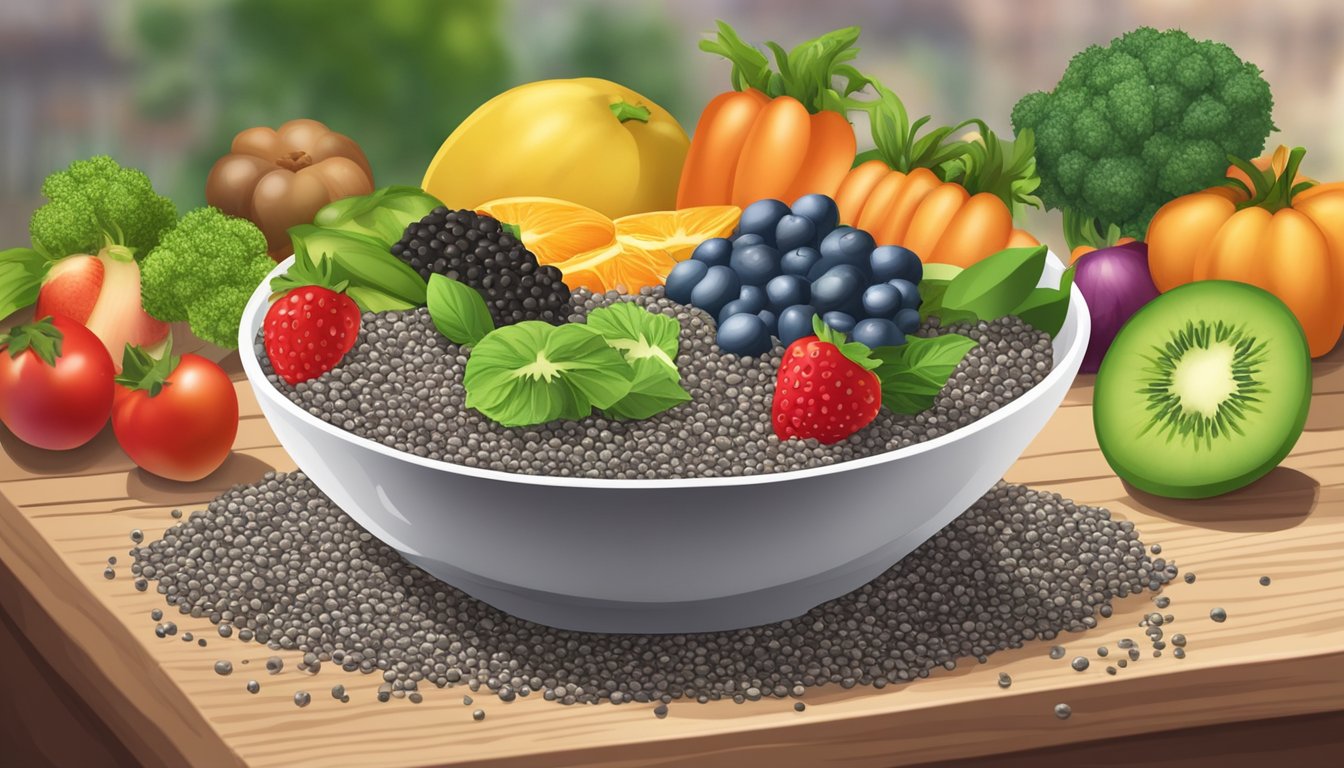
{"x":677,"y":232}
{"x":618,"y":266}
{"x":554,"y":230}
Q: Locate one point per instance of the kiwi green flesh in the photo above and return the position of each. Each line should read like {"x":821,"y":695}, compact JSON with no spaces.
{"x":1204,"y":390}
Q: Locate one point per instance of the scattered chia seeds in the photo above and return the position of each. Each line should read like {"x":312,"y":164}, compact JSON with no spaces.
{"x":1063,"y":711}
{"x":1103,"y":651}
{"x":1178,"y":640}
{"x":799,"y":706}
{"x":1179,"y":653}
{"x":338,"y":691}
{"x":1110,"y":670}
{"x":177,"y":514}
{"x":141,"y":585}
{"x":1080,"y":663}
{"x":201,"y":642}
{"x":1005,"y":680}
{"x":1189,"y":578}
{"x":274,"y":665}
{"x":1106,"y":611}
{"x":226,"y":630}
{"x":109,"y":573}
{"x":253,"y":686}
{"x":1057,"y":652}
{"x":1264,"y":581}
{"x":156,"y":614}
{"x":660,"y":711}
{"x":478,"y":715}
{"x":466,"y":701}
{"x":930,"y":610}
{"x":725,"y":430}
{"x":1156,"y":549}
{"x":223,"y":667}
{"x":1122,"y":663}
{"x":187,"y":637}
{"x":112,"y":560}
{"x":1218,"y":614}
{"x":302,"y":698}
{"x":1163,"y":601}
{"x":137,"y":535}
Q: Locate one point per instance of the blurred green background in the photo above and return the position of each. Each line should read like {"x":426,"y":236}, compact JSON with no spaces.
{"x":164,"y":84}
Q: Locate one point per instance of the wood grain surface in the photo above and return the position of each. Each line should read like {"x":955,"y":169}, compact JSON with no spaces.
{"x":1280,"y":653}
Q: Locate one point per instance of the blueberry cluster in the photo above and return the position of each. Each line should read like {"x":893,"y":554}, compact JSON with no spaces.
{"x":475,"y":249}
{"x":784,"y":265}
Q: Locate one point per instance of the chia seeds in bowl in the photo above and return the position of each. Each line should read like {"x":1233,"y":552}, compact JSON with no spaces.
{"x":401,"y":386}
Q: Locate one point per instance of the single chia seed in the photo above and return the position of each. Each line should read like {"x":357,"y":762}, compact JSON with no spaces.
{"x":415,"y":697}
{"x":274,"y":665}
{"x":1080,"y":663}
{"x":1264,"y":581}
{"x":1103,"y":651}
{"x":187,"y":637}
{"x":338,"y":691}
{"x":478,"y":715}
{"x":329,"y":589}
{"x":799,"y":706}
{"x":1133,"y":654}
{"x":1105,"y":611}
{"x":109,"y":573}
{"x":1178,"y":640}
{"x":156,"y":614}
{"x":177,"y":514}
{"x":141,"y":585}
{"x":112,"y":560}
{"x":1179,"y":653}
{"x":1218,"y":614}
{"x":1057,"y":652}
{"x":1122,"y":663}
{"x":223,"y":667}
{"x":1063,"y":711}
{"x":660,"y":711}
{"x":245,"y":635}
{"x":1156,"y":549}
{"x":466,"y":701}
{"x":1005,"y":680}
{"x":253,"y":686}
{"x":201,"y":642}
{"x":1163,"y":602}
{"x":1110,"y":670}
{"x":137,"y":535}
{"x":169,"y":628}
{"x":1189,"y":578}
{"x":724,"y":430}
{"x":226,"y":630}
{"x":302,"y":698}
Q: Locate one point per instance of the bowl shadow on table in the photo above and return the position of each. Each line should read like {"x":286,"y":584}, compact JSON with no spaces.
{"x":238,"y":469}
{"x":1278,"y":501}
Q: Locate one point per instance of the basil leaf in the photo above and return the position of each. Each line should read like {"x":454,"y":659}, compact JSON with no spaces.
{"x":655,"y":389}
{"x":637,"y":332}
{"x":931,"y":293}
{"x":457,"y":310}
{"x":534,"y":372}
{"x":997,"y":285}
{"x":1046,"y":308}
{"x":914,"y":373}
{"x":364,"y":260}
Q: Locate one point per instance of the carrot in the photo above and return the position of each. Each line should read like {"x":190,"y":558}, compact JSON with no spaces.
{"x":1020,"y":238}
{"x":918,"y":184}
{"x":979,"y":229}
{"x":711,"y":161}
{"x":873,"y":217}
{"x":856,"y":187}
{"x":932,"y":217}
{"x":830,"y":152}
{"x":774,"y":152}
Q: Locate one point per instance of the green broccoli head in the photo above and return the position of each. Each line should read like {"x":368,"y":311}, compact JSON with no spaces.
{"x":203,"y":272}
{"x":1149,"y":118}
{"x":96,"y":202}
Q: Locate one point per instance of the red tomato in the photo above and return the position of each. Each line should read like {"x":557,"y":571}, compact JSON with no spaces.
{"x":175,"y":418}
{"x":55,"y":383}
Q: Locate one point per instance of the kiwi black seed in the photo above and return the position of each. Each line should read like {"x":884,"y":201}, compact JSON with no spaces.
{"x":1203,"y":391}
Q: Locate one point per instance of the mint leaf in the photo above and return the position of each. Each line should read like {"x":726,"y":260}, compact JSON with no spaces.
{"x":997,"y":285}
{"x":914,"y":373}
{"x":457,"y":310}
{"x":655,"y":389}
{"x":1046,"y":308}
{"x":534,"y":372}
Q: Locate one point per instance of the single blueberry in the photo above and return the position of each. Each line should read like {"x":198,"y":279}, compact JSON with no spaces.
{"x":874,"y":333}
{"x":795,"y":323}
{"x":756,"y":295}
{"x":744,"y":335}
{"x":839,"y":288}
{"x":683,"y":278}
{"x":771,"y":321}
{"x":714,"y":251}
{"x":719,"y":286}
{"x":799,"y":261}
{"x":755,"y":264}
{"x":787,"y":290}
{"x":735,"y":307}
{"x":909,"y":293}
{"x":795,"y":232}
{"x":761,"y":218}
{"x":892,"y":262}
{"x":821,"y":209}
{"x":881,"y":300}
{"x":839,"y":321}
{"x":907,"y":320}
{"x":742,"y":241}
{"x":830,"y":244}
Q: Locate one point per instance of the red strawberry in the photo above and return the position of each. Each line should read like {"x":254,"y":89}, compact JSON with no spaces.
{"x":826,"y":388}
{"x":311,"y":327}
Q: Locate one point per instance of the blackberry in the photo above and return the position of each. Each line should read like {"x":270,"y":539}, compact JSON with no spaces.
{"x":474,"y":249}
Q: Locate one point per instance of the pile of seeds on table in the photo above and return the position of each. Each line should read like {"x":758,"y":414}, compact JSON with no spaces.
{"x":278,"y":561}
{"x":401,"y":385}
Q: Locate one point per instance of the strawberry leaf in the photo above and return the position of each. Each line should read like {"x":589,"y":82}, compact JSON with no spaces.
{"x":857,"y":353}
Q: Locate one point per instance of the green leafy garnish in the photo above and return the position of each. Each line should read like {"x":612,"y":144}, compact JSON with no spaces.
{"x":534,"y":372}
{"x":914,"y":373}
{"x":1046,"y":308}
{"x":995,"y":286}
{"x":857,"y":352}
{"x":808,"y":73}
{"x":649,"y":343}
{"x":364,"y":261}
{"x":141,"y":370}
{"x":458,"y":310}
{"x":21,"y":273}
{"x":42,"y":337}
{"x":382,"y":214}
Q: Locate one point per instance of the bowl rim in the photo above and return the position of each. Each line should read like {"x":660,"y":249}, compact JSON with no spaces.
{"x":254,"y":313}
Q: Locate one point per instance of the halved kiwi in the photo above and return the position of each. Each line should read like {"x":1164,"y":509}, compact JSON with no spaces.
{"x":1203,"y":391}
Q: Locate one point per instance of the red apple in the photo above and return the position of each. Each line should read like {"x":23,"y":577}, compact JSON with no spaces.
{"x":103,"y":293}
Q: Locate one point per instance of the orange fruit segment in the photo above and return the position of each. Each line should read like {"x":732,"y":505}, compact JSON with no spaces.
{"x":677,"y":232}
{"x":617,"y":266}
{"x":554,"y":230}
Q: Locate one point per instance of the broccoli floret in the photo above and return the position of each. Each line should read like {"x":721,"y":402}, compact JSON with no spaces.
{"x":95,"y":203}
{"x":203,"y":272}
{"x":1149,"y":118}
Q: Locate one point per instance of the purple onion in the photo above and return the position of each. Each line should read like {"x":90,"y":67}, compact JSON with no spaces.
{"x":1116,"y":283}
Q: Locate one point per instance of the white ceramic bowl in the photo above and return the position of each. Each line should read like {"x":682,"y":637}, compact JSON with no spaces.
{"x":645,"y":556}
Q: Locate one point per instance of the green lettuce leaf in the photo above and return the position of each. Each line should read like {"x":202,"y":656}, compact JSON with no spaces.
{"x":649,"y":342}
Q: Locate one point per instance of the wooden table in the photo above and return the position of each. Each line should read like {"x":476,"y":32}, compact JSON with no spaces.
{"x":1280,"y":653}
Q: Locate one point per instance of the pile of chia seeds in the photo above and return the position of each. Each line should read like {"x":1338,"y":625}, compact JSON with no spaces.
{"x":401,"y":385}
{"x":278,"y":561}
